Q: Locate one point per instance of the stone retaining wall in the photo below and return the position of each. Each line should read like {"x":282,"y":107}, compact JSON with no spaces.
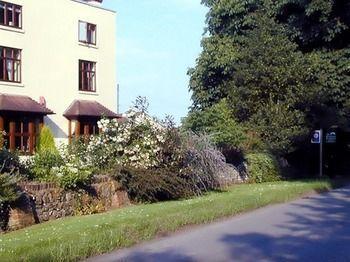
{"x":42,"y":202}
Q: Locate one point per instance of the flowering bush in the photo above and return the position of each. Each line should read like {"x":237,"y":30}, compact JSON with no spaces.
{"x":74,"y":173}
{"x":63,"y":167}
{"x":153,"y":160}
{"x":72,"y":176}
{"x":135,"y":142}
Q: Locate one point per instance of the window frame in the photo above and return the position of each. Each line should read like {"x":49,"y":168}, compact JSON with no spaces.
{"x":14,"y":8}
{"x":25,"y":132}
{"x":4,"y":59}
{"x":88,"y":36}
{"x":83,"y":71}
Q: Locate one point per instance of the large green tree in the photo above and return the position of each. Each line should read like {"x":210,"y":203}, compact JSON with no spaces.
{"x":227,"y":22}
{"x":315,"y":24}
{"x":273,"y":86}
{"x":282,"y":65}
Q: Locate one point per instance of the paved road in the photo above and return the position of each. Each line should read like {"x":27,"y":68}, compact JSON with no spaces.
{"x":310,"y":229}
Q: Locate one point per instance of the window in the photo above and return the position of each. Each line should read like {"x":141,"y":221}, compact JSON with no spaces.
{"x":83,"y":127}
{"x":10,"y":15}
{"x":10,"y":64}
{"x":21,"y":132}
{"x":87,"y":76}
{"x":87,"y":33}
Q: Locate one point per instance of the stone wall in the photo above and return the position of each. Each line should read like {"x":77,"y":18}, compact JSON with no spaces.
{"x":42,"y":202}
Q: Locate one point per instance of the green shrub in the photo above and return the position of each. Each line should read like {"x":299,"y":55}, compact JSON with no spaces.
{"x":67,"y":171}
{"x":8,"y":188}
{"x":46,"y":141}
{"x":9,"y":162}
{"x":262,"y":167}
{"x":8,"y":194}
{"x":10,"y":167}
{"x":42,"y":166}
{"x":218,"y":121}
{"x":72,"y":176}
{"x":151,"y":185}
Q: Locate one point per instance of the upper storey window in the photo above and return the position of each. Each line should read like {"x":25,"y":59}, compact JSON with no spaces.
{"x":87,"y":33}
{"x":10,"y":15}
{"x":10,"y":64}
{"x":87,"y":76}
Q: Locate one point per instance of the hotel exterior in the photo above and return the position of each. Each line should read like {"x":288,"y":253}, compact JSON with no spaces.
{"x":57,"y":67}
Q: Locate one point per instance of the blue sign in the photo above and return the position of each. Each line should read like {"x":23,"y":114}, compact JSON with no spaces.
{"x":331,"y":138}
{"x":316,"y":137}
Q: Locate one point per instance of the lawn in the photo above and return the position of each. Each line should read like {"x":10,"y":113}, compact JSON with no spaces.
{"x":75,"y":238}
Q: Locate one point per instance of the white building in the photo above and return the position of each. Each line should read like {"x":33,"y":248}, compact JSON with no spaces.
{"x":57,"y":66}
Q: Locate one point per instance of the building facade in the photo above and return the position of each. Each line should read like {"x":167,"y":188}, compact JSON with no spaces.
{"x":57,"y":67}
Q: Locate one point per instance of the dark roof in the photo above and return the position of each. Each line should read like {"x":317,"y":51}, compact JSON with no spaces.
{"x":86,"y":108}
{"x":23,"y":104}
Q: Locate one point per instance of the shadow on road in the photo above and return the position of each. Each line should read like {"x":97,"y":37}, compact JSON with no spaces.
{"x":311,"y":229}
{"x":317,"y":230}
{"x":168,"y":256}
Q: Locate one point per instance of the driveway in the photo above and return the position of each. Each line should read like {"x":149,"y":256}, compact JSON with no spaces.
{"x":313,"y":229}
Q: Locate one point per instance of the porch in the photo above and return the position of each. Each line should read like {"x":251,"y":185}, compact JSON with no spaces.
{"x":21,"y":119}
{"x":83,"y":116}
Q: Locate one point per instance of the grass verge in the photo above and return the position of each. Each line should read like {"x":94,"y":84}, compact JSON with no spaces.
{"x":76,"y":238}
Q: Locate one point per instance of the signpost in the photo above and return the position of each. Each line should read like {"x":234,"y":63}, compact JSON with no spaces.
{"x":317,"y":138}
{"x":331,"y":137}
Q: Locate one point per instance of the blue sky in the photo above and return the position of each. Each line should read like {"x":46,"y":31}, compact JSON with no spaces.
{"x":157,"y":41}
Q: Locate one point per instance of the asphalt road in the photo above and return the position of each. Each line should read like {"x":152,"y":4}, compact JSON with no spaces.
{"x":313,"y":229}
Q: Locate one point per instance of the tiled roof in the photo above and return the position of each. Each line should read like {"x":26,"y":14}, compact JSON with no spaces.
{"x":24,"y":104}
{"x":87,"y":108}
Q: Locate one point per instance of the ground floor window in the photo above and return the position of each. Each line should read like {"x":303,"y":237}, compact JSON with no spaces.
{"x":83,"y":128}
{"x":19,"y":133}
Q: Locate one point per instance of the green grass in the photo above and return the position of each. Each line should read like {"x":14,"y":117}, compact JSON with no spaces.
{"x":75,"y":238}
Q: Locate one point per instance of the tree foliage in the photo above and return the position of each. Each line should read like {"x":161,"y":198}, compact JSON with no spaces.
{"x":282,"y":65}
{"x":315,"y":24}
{"x":269,"y":70}
{"x":231,"y":17}
{"x":219,"y":122}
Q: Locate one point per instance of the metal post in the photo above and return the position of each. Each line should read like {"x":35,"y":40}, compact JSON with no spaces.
{"x":118,"y":100}
{"x":321,"y":152}
{"x":2,"y":138}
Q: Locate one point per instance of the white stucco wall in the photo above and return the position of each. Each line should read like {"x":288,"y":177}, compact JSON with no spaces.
{"x":51,"y":51}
